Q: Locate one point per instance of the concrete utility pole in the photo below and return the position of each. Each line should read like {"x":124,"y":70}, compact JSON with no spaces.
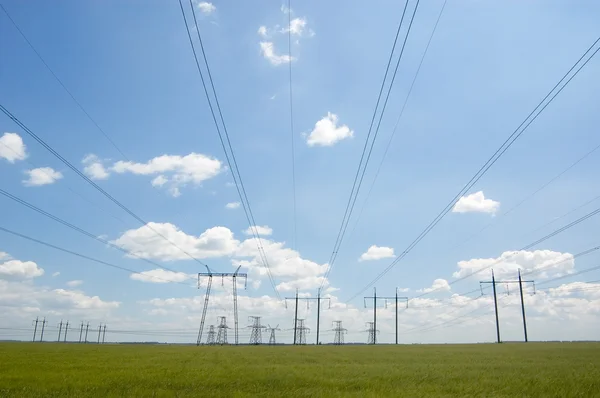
{"x":59,"y":330}
{"x":396,"y":298}
{"x":66,"y":329}
{"x":223,"y":275}
{"x":43,"y":327}
{"x":494,"y":282}
{"x":87,"y":328}
{"x":35,"y":322}
{"x":307,"y":299}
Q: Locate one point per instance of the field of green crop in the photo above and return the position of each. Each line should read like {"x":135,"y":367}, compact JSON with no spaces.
{"x":73,"y":370}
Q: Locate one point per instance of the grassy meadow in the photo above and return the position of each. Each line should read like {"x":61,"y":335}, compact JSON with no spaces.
{"x":485,"y":370}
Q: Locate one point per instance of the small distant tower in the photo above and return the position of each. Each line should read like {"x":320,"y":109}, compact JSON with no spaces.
{"x":211,"y":335}
{"x":272,"y":340}
{"x":302,"y":331}
{"x":339,"y":333}
{"x":256,"y":335}
{"x":222,"y":333}
{"x":372,"y":331}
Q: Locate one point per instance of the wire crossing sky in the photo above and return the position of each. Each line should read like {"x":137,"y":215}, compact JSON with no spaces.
{"x":141,"y":144}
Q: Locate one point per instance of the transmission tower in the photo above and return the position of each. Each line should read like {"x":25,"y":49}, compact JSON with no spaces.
{"x":222,"y":333}
{"x":103,"y":333}
{"x":210,"y":339}
{"x":272,"y":340}
{"x":494,"y":282}
{"x":223,"y":275}
{"x":44,"y":322}
{"x":87,"y":328}
{"x":339,"y":333}
{"x":59,"y":330}
{"x":35,"y":322}
{"x":372,"y":333}
{"x":66,"y":330}
{"x":307,"y":299}
{"x":81,"y":331}
{"x":256,"y":335}
{"x":302,"y":331}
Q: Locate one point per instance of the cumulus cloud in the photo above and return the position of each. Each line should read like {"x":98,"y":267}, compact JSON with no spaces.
{"x":545,"y":263}
{"x":232,"y":205}
{"x":476,"y":203}
{"x":16,"y":269}
{"x":438,"y":285}
{"x":80,"y":300}
{"x":174,"y":170}
{"x":327,"y":132}
{"x":74,"y":283}
{"x":263,"y":231}
{"x":144,"y":242}
{"x":161,"y":276}
{"x":94,"y":168}
{"x":41,"y":176}
{"x":306,"y":283}
{"x":206,"y":7}
{"x":55,"y":274}
{"x":267,"y":49}
{"x":12,"y":147}
{"x":377,"y":253}
{"x":297,"y":27}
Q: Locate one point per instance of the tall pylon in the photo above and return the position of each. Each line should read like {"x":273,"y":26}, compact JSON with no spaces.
{"x":372,"y":333}
{"x":222,"y":333}
{"x":66,"y":330}
{"x":272,"y":340}
{"x":256,"y":335}
{"x":302,"y":331}
{"x":339,"y":333}
{"x":210,"y":339}
{"x":44,"y":322}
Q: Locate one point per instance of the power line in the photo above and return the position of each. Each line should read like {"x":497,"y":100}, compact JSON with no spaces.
{"x":93,"y":184}
{"x":491,"y":161}
{"x":29,"y":238}
{"x":358,"y":180}
{"x":231,"y":160}
{"x":389,"y":143}
{"x":63,"y":85}
{"x":295,"y":224}
{"x":80,"y":230}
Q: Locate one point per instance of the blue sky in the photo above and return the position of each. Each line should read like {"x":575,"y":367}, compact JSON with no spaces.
{"x":130,"y":65}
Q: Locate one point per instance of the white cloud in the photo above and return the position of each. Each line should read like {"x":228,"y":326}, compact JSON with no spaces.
{"x":16,"y":269}
{"x":4,"y":256}
{"x":296,"y":27}
{"x":159,"y":181}
{"x":54,"y":275}
{"x":476,"y":203}
{"x":74,"y":283}
{"x":232,"y":205}
{"x":12,"y":147}
{"x":327,"y":132}
{"x":193,"y":168}
{"x":144,"y":242}
{"x":81,"y":301}
{"x":440,"y":285}
{"x":263,"y":32}
{"x":549,"y":263}
{"x":377,"y":253}
{"x":306,"y":283}
{"x":263,"y":231}
{"x":583,"y":288}
{"x":94,"y":168}
{"x":206,"y":7}
{"x":161,"y":276}
{"x":267,"y":49}
{"x":42,"y":176}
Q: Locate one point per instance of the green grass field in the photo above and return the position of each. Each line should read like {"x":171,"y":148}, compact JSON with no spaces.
{"x":534,"y":369}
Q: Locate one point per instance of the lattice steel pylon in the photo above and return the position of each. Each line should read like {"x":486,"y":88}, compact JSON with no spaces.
{"x":223,"y":275}
{"x":372,"y":332}
{"x":256,"y":335}
{"x":302,"y":331}
{"x":211,"y":335}
{"x":272,"y":340}
{"x":222,"y":333}
{"x":339,"y":333}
